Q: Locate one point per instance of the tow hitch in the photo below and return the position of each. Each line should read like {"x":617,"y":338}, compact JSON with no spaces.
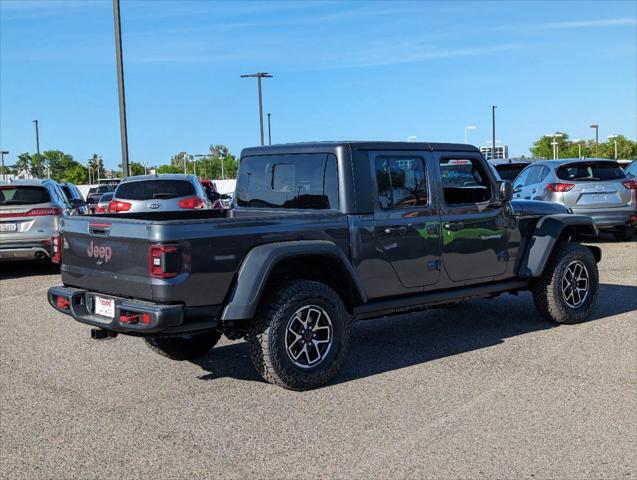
{"x":101,"y":334}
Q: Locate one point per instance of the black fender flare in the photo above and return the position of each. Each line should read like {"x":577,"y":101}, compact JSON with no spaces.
{"x":258,"y":264}
{"x":546,"y":234}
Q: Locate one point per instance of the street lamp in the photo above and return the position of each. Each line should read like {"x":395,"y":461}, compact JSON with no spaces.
{"x":493,"y":107}
{"x":556,"y":147}
{"x":596,"y":127}
{"x":120,"y":88}
{"x":579,"y":146}
{"x":269,"y":130}
{"x":469,"y":127}
{"x":614,"y":138}
{"x":259,"y":76}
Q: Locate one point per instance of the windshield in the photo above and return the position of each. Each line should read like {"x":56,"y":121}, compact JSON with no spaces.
{"x":590,"y":171}
{"x":154,"y":189}
{"x":23,"y":195}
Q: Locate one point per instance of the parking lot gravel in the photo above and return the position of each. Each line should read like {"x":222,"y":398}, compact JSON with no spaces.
{"x":483,"y":389}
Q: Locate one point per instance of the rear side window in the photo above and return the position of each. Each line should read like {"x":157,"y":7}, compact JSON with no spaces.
{"x":154,"y":189}
{"x":590,"y":171}
{"x":67,"y":192}
{"x":296,"y":181}
{"x":23,"y":195}
{"x":401,"y":182}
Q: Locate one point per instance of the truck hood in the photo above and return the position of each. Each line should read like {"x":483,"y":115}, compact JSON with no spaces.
{"x":522,"y":208}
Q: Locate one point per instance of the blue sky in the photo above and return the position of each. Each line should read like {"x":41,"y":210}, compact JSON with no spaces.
{"x":342,"y":70}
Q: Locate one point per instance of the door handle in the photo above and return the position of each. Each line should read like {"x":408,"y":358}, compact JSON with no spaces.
{"x":453,"y":227}
{"x":395,"y":230}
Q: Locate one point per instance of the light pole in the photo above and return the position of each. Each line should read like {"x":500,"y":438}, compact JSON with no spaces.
{"x":2,"y":154}
{"x":469,"y":127}
{"x":37,"y":136}
{"x":221,"y":159}
{"x":269,"y":130}
{"x":120,"y":88}
{"x":493,"y":107}
{"x":596,"y":127}
{"x":614,"y":138}
{"x":579,"y":146}
{"x":554,"y":143}
{"x":259,"y":76}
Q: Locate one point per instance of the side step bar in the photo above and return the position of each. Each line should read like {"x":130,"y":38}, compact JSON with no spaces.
{"x":420,"y":302}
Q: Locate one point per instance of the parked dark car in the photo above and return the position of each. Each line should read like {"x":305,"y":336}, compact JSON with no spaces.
{"x":509,"y":169}
{"x":322,"y":234}
{"x":104,"y":201}
{"x":74,"y":197}
{"x":212,"y":193}
{"x":95,"y":193}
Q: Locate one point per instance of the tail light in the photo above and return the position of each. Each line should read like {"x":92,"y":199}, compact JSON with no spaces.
{"x":134,"y":317}
{"x":62,"y":303}
{"x":99,"y":209}
{"x":630,"y":184}
{"x":560,"y":187}
{"x":164,"y":261}
{"x":56,"y":249}
{"x":191,"y":203}
{"x":115,"y":206}
{"x":34,"y":212}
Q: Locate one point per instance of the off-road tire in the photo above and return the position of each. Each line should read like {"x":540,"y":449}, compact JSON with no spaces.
{"x":184,"y":347}
{"x":625,"y":234}
{"x":266,"y":336}
{"x":547,"y":290}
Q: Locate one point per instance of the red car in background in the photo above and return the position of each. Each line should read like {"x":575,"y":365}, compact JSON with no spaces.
{"x":212,"y":193}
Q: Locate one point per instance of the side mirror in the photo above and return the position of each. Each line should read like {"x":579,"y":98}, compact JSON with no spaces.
{"x":505,"y":191}
{"x":77,"y":202}
{"x":214,"y":196}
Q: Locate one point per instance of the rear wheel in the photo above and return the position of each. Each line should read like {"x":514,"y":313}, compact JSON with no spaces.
{"x":566,"y":291}
{"x":625,"y":234}
{"x":300,"y":336}
{"x":183,"y":347}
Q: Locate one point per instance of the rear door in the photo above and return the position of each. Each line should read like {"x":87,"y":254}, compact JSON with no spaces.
{"x":107,"y":255}
{"x":406,"y":221}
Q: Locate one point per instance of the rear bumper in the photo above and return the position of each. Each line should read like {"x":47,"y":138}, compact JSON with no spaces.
{"x":35,"y":250}
{"x":608,"y":219}
{"x":133,"y":317}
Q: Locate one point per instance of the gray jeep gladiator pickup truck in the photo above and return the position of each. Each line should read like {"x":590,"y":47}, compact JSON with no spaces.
{"x":320,"y":235}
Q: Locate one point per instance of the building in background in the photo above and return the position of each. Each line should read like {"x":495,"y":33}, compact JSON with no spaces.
{"x":501,"y":152}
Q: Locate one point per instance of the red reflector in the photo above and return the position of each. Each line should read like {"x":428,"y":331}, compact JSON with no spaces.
{"x":62,"y":302}
{"x":146,"y":318}
{"x":192,"y":203}
{"x":560,"y":187}
{"x":116,"y":206}
{"x":630,"y":184}
{"x":133,"y":318}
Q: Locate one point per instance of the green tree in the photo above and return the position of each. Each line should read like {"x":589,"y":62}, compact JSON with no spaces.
{"x":23,"y":163}
{"x":543,"y":147}
{"x":169,"y":169}
{"x":178,"y":160}
{"x":136,"y":168}
{"x":76,"y":173}
{"x":96,"y":164}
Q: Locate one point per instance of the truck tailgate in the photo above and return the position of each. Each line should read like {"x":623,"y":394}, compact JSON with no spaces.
{"x":108,"y":256}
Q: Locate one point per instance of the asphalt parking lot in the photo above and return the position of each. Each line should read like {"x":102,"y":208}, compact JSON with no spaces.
{"x":480,"y":390}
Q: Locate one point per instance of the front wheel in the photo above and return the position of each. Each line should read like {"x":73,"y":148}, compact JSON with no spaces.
{"x":183,"y":347}
{"x":566,"y":291}
{"x":300,"y":336}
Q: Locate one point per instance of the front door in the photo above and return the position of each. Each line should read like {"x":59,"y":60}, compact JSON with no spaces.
{"x":406,"y":223}
{"x":475,"y":233}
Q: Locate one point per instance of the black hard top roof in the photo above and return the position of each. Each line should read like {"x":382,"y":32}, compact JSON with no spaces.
{"x":309,"y":147}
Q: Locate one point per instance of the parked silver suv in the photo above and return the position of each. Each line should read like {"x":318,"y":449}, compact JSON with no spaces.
{"x":159,"y":193}
{"x":30,"y":213}
{"x":593,"y":187}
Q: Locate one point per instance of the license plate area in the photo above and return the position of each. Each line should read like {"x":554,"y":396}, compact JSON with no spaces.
{"x":104,"y":307}
{"x":8,"y":227}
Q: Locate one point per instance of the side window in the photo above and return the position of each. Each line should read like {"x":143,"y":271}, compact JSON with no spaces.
{"x":295,"y":181}
{"x":520,"y":180}
{"x":464,"y":181}
{"x":535,"y":174}
{"x":401,"y":182}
